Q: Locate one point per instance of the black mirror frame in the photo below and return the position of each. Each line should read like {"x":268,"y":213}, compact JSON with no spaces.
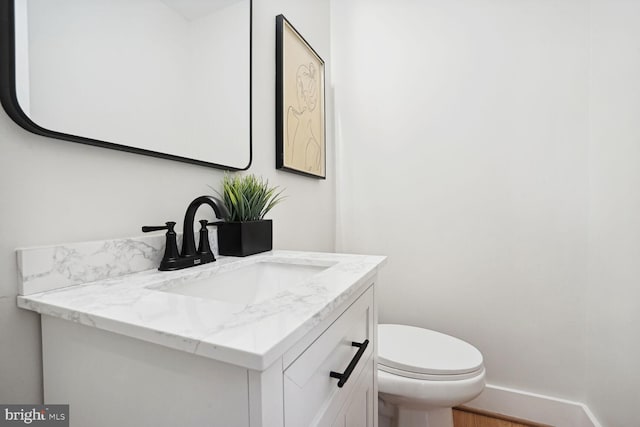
{"x":9,"y":98}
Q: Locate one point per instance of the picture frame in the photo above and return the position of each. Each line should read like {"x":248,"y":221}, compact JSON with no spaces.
{"x":300,"y":104}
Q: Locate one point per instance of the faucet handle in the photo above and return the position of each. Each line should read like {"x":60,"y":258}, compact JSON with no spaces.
{"x":171,"y":254}
{"x":168,"y":226}
{"x":204,"y":248}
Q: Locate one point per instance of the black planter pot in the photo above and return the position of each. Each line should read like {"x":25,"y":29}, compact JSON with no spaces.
{"x":245,"y":238}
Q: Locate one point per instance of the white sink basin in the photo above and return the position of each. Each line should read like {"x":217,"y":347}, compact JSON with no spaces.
{"x":249,"y":284}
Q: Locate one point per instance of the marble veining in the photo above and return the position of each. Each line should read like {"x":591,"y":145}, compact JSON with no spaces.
{"x":249,"y":335}
{"x":50,"y":267}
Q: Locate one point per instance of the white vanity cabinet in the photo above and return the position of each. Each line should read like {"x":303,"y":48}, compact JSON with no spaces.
{"x":311,"y":396}
{"x":111,"y":379}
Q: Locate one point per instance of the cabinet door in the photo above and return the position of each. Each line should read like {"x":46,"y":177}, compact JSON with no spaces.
{"x":311,"y":396}
{"x":358,"y":410}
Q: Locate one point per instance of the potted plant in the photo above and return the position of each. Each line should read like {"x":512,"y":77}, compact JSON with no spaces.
{"x":245,"y":231}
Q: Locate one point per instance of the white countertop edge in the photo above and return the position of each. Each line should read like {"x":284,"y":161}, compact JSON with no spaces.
{"x":176,"y":342}
{"x":203,"y":346}
{"x":199,"y":347}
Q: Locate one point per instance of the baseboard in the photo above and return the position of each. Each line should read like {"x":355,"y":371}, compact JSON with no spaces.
{"x":534,"y":407}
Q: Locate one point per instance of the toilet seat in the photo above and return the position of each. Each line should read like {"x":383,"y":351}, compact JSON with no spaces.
{"x":424,"y":354}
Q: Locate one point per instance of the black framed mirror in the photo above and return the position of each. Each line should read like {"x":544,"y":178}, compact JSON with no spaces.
{"x":164,"y":78}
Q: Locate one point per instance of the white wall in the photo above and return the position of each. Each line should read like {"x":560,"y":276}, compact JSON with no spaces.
{"x":492,"y":150}
{"x":462,"y":138}
{"x":614,"y":245}
{"x":55,"y":191}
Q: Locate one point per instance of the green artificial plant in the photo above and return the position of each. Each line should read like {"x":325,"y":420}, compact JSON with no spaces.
{"x":248,"y":198}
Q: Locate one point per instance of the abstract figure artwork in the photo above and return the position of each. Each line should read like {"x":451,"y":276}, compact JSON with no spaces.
{"x":300,"y":112}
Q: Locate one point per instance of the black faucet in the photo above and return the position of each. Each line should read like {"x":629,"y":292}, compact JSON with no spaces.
{"x":190,"y":256}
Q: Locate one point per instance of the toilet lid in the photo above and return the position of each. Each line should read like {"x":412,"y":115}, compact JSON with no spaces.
{"x":424,"y":351}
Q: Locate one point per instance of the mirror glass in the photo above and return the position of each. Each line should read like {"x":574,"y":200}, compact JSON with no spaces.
{"x":170,"y":78}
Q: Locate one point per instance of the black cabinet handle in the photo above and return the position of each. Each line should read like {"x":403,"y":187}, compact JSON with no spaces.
{"x":343,"y":377}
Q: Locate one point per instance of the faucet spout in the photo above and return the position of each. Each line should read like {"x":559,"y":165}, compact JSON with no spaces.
{"x":188,"y":239}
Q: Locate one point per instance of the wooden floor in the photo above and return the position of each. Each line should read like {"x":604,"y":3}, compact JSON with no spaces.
{"x":463,"y":417}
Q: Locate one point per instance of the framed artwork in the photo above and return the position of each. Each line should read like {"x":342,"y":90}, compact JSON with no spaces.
{"x":300,"y":104}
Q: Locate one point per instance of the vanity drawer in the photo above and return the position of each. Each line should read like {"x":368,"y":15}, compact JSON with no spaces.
{"x":309,"y":390}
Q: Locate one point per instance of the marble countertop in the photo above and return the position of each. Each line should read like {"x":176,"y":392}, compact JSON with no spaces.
{"x":249,"y":335}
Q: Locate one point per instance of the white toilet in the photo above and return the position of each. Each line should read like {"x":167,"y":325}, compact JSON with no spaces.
{"x":424,"y":374}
